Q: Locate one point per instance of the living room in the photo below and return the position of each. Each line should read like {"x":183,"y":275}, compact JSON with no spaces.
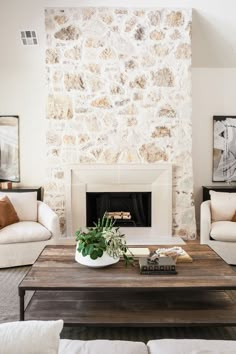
{"x":118,"y":93}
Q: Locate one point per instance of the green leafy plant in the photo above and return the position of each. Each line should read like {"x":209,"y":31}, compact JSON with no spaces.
{"x":104,"y":236}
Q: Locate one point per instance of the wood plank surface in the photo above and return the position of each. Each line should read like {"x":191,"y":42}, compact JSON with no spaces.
{"x":122,"y":308}
{"x":56,"y":269}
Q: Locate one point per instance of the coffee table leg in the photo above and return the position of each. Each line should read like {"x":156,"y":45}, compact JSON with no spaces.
{"x":22,"y":304}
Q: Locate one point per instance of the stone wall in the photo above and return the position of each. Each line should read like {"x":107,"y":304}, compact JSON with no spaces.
{"x":119,"y":91}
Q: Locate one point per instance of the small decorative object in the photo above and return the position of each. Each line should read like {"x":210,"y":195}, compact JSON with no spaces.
{"x":224,"y":149}
{"x":101,"y":245}
{"x":9,"y":149}
{"x":176,"y":252}
{"x":156,"y":264}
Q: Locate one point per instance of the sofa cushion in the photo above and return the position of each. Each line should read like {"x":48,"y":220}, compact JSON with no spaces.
{"x":223,"y":231}
{"x":214,"y":351}
{"x":25,"y":204}
{"x":30,"y":337}
{"x":191,"y":346}
{"x":24,"y":231}
{"x":101,"y":346}
{"x":8,"y":214}
{"x":223,"y":206}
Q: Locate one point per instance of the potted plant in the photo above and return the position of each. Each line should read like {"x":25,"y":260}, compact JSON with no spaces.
{"x":102,"y":245}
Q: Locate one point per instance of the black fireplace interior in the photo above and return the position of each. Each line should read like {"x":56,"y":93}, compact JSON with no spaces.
{"x":138,"y":204}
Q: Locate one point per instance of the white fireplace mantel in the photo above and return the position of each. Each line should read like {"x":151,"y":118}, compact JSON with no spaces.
{"x":156,"y":178}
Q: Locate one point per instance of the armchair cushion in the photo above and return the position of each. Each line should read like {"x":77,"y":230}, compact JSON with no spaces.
{"x":8,"y":214}
{"x":24,"y":231}
{"x":25,"y":204}
{"x":223,"y":231}
{"x":223,"y":206}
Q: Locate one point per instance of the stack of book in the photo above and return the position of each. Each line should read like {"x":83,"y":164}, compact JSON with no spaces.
{"x":139,"y":251}
{"x":6,"y":185}
{"x":161,"y":266}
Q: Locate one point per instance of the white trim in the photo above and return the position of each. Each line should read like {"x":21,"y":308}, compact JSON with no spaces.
{"x":156,"y":178}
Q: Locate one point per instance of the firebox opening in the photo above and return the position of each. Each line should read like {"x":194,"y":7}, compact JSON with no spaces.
{"x":128,"y":209}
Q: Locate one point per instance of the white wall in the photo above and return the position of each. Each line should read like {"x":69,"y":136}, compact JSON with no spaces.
{"x":22,"y":75}
{"x":22,"y":84}
{"x":213,"y":94}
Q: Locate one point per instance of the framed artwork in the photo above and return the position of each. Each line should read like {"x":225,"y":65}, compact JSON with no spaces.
{"x":9,"y":149}
{"x":224,"y":148}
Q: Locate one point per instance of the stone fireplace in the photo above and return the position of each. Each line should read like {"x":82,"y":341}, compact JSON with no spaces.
{"x":126,"y":178}
{"x":119,"y":92}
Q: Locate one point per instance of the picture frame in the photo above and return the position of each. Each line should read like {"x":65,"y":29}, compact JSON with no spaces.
{"x":224,"y":149}
{"x":9,"y":148}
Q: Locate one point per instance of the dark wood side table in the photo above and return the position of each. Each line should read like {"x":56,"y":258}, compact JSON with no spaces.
{"x":39,"y":191}
{"x":206,"y":190}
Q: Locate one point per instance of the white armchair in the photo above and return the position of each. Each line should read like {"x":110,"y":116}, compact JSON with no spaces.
{"x":22,"y":242}
{"x":205,"y":226}
{"x":216,"y":226}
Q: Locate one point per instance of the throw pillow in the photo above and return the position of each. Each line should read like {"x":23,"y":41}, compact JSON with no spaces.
{"x":223,"y":205}
{"x":30,"y":337}
{"x":234,"y":217}
{"x":25,"y":204}
{"x":8,"y":214}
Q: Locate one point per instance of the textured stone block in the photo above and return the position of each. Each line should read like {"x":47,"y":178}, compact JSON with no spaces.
{"x":59,"y":107}
{"x":68,"y":33}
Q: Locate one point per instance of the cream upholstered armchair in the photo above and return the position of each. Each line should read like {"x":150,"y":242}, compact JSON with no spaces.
{"x":22,"y":242}
{"x":218,"y":224}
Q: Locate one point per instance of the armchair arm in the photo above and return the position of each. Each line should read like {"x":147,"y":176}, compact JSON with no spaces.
{"x":48,"y":218}
{"x":205,"y":224}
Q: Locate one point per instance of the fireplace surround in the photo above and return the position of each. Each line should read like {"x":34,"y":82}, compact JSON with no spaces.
{"x":127,"y":178}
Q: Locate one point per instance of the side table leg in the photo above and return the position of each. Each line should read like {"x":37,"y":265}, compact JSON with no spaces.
{"x":22,"y":304}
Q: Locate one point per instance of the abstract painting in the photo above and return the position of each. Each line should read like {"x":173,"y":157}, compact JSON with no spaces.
{"x":9,"y":149}
{"x":224,"y":148}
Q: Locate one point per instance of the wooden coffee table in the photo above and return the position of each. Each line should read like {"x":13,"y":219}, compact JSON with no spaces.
{"x":120,"y":296}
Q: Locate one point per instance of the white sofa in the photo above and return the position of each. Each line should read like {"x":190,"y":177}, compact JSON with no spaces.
{"x":43,"y":337}
{"x":216,"y":227}
{"x":22,"y":242}
{"x":158,"y":346}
